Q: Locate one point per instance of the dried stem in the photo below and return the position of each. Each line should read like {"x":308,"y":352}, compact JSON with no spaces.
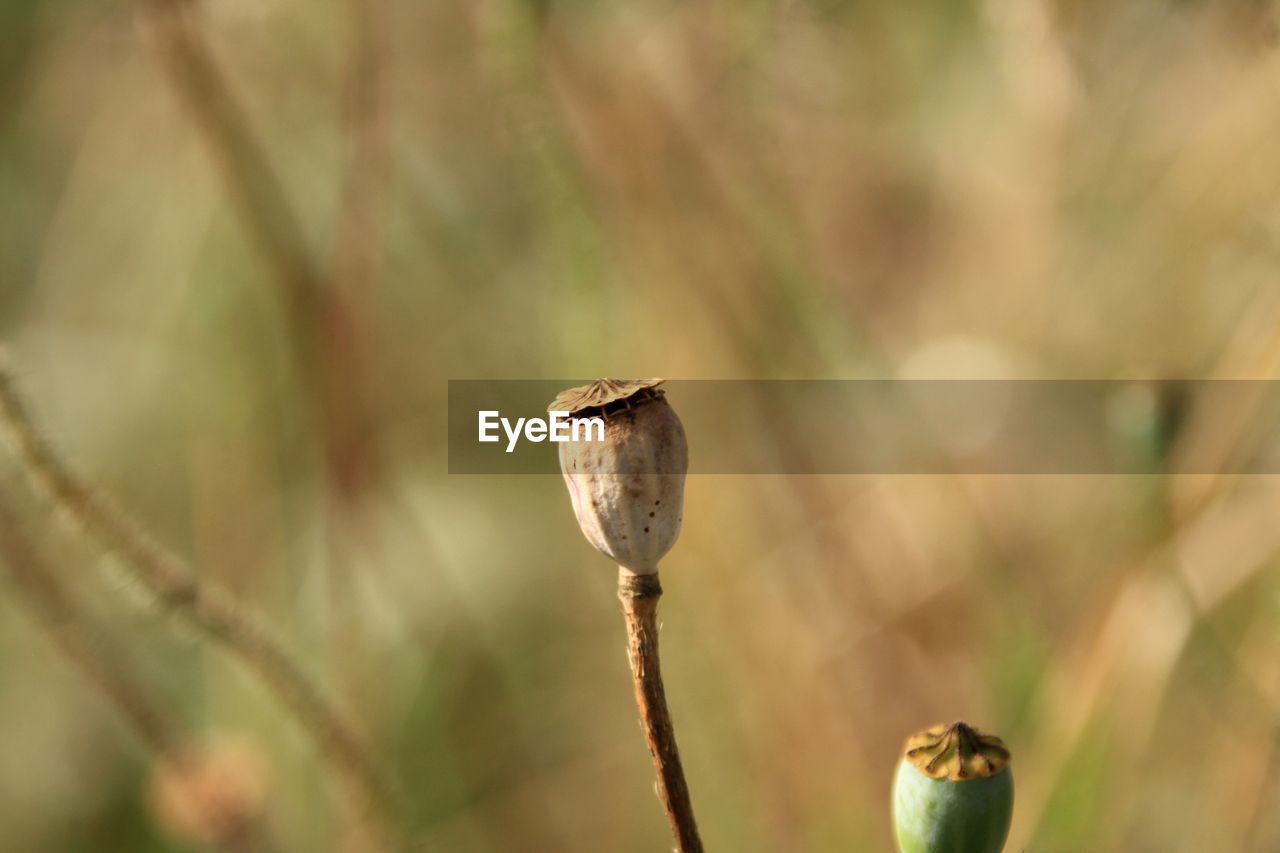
{"x":255,"y":187}
{"x":321,"y":308}
{"x":639,"y":595}
{"x":349,"y":346}
{"x":358,"y":233}
{"x":69,"y":628}
{"x":86,"y":646}
{"x":173,"y":583}
{"x":323,"y":312}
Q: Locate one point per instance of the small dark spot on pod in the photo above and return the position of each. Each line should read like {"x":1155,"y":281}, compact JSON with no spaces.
{"x":651,"y":515}
{"x":646,"y":530}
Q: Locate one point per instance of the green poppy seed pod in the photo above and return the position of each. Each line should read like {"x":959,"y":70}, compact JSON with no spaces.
{"x":953,"y":792}
{"x":628,"y":489}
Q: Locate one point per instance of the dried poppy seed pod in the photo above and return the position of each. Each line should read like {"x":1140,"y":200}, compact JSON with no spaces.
{"x":953,"y":792}
{"x":628,"y":494}
{"x":627,"y":490}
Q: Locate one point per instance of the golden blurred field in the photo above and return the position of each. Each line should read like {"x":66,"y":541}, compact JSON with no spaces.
{"x":244,"y":245}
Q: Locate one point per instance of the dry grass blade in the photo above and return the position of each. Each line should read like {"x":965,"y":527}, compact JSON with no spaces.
{"x":1125,"y":666}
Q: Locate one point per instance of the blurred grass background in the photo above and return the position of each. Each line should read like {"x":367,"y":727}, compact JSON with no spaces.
{"x":244,"y":245}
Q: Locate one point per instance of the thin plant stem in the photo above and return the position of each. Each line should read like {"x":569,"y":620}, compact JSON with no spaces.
{"x":322,"y":311}
{"x":226,"y":622}
{"x":255,"y":188}
{"x":349,"y":341}
{"x":322,"y":327}
{"x":72,"y":629}
{"x":349,"y":347}
{"x":1195,"y":516}
{"x":61,"y":616}
{"x":361,"y":220}
{"x":327,"y":309}
{"x":639,"y":595}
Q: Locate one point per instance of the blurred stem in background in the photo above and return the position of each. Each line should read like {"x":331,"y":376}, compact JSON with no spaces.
{"x":222,"y":620}
{"x":329,"y":310}
{"x":1179,"y":585}
{"x":326,"y":311}
{"x":350,"y":355}
{"x":222,"y":816}
{"x":70,"y":627}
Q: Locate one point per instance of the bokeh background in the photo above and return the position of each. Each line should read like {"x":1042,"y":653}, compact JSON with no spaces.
{"x":243,"y":245}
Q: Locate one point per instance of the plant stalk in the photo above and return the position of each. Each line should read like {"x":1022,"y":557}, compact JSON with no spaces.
{"x":88,"y":647}
{"x":639,"y":595}
{"x":229,"y":624}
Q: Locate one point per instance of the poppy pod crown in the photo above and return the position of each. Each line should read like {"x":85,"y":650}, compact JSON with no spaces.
{"x":956,"y":752}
